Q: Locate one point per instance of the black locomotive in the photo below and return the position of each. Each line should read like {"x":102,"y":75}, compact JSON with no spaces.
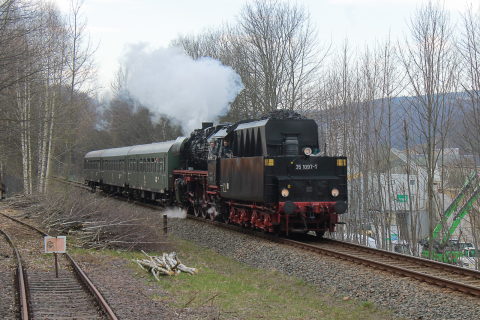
{"x":265,"y":174}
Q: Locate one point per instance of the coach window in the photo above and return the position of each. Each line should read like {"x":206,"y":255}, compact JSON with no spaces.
{"x":160,"y":164}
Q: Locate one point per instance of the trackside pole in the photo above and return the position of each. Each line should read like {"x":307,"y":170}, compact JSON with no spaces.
{"x":56,"y":266}
{"x":165,"y":227}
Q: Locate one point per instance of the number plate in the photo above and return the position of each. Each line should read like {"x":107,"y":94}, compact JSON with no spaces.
{"x":307,"y":166}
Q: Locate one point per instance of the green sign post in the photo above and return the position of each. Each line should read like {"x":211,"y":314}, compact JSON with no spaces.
{"x":402,"y":198}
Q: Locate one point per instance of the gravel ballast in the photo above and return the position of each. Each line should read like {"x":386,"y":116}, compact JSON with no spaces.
{"x":407,"y":297}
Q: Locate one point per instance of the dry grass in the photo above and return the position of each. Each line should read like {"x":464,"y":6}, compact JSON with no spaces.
{"x":94,"y":221}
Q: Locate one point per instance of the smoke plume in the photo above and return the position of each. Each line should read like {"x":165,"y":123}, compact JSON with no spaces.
{"x":175,"y":213}
{"x":191,"y":91}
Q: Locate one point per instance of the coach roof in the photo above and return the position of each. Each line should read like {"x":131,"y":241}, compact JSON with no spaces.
{"x":94,"y":154}
{"x":157,"y":147}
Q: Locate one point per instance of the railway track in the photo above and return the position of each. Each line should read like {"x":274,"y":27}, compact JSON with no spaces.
{"x":436,"y":273}
{"x":43,"y":296}
{"x":432,"y":272}
{"x":10,"y":308}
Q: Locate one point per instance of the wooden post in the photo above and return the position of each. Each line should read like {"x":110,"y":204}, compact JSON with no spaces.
{"x":56,"y":266}
{"x":165,"y":228}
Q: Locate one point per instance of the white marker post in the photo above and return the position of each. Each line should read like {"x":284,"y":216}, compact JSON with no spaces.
{"x":55,"y":245}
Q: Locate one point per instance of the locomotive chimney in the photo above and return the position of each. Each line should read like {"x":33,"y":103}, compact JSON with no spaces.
{"x":206,"y":125}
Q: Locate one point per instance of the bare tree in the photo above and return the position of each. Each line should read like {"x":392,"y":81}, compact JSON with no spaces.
{"x":282,"y":47}
{"x":469,"y":48}
{"x":430,"y":65}
{"x":274,"y":48}
{"x":81,"y":71}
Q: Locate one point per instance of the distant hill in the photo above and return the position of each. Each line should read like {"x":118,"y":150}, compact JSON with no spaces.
{"x":403,"y":110}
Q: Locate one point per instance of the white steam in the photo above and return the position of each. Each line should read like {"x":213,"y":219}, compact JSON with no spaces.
{"x":175,"y":213}
{"x":169,"y":82}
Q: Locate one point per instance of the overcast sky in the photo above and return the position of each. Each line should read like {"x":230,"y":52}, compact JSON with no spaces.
{"x":114,"y":23}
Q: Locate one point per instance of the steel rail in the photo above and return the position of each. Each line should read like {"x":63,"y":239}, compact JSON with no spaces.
{"x":21,"y":280}
{"x":100,"y":299}
{"x":106,"y":308}
{"x":416,"y":260}
{"x":423,"y":277}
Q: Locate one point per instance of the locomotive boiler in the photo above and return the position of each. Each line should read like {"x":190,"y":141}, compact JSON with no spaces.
{"x":264,"y":174}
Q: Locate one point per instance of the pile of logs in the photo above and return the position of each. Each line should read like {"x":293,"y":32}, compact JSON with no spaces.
{"x":167,"y":264}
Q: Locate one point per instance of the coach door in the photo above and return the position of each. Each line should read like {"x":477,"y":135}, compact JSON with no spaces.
{"x":161,"y":172}
{"x":138,"y":172}
{"x":128,"y":164}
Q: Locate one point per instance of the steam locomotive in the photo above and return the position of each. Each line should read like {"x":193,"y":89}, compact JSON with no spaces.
{"x":271,"y":177}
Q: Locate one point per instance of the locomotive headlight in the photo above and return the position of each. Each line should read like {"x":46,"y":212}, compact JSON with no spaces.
{"x":335,"y":192}
{"x":285,"y":193}
{"x":307,"y":151}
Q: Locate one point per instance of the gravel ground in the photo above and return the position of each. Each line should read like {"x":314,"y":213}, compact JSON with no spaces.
{"x":8,"y":305}
{"x":129,"y":294}
{"x":134,"y":298}
{"x":407,"y":297}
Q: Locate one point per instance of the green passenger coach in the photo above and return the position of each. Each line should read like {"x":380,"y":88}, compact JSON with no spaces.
{"x":142,"y":171}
